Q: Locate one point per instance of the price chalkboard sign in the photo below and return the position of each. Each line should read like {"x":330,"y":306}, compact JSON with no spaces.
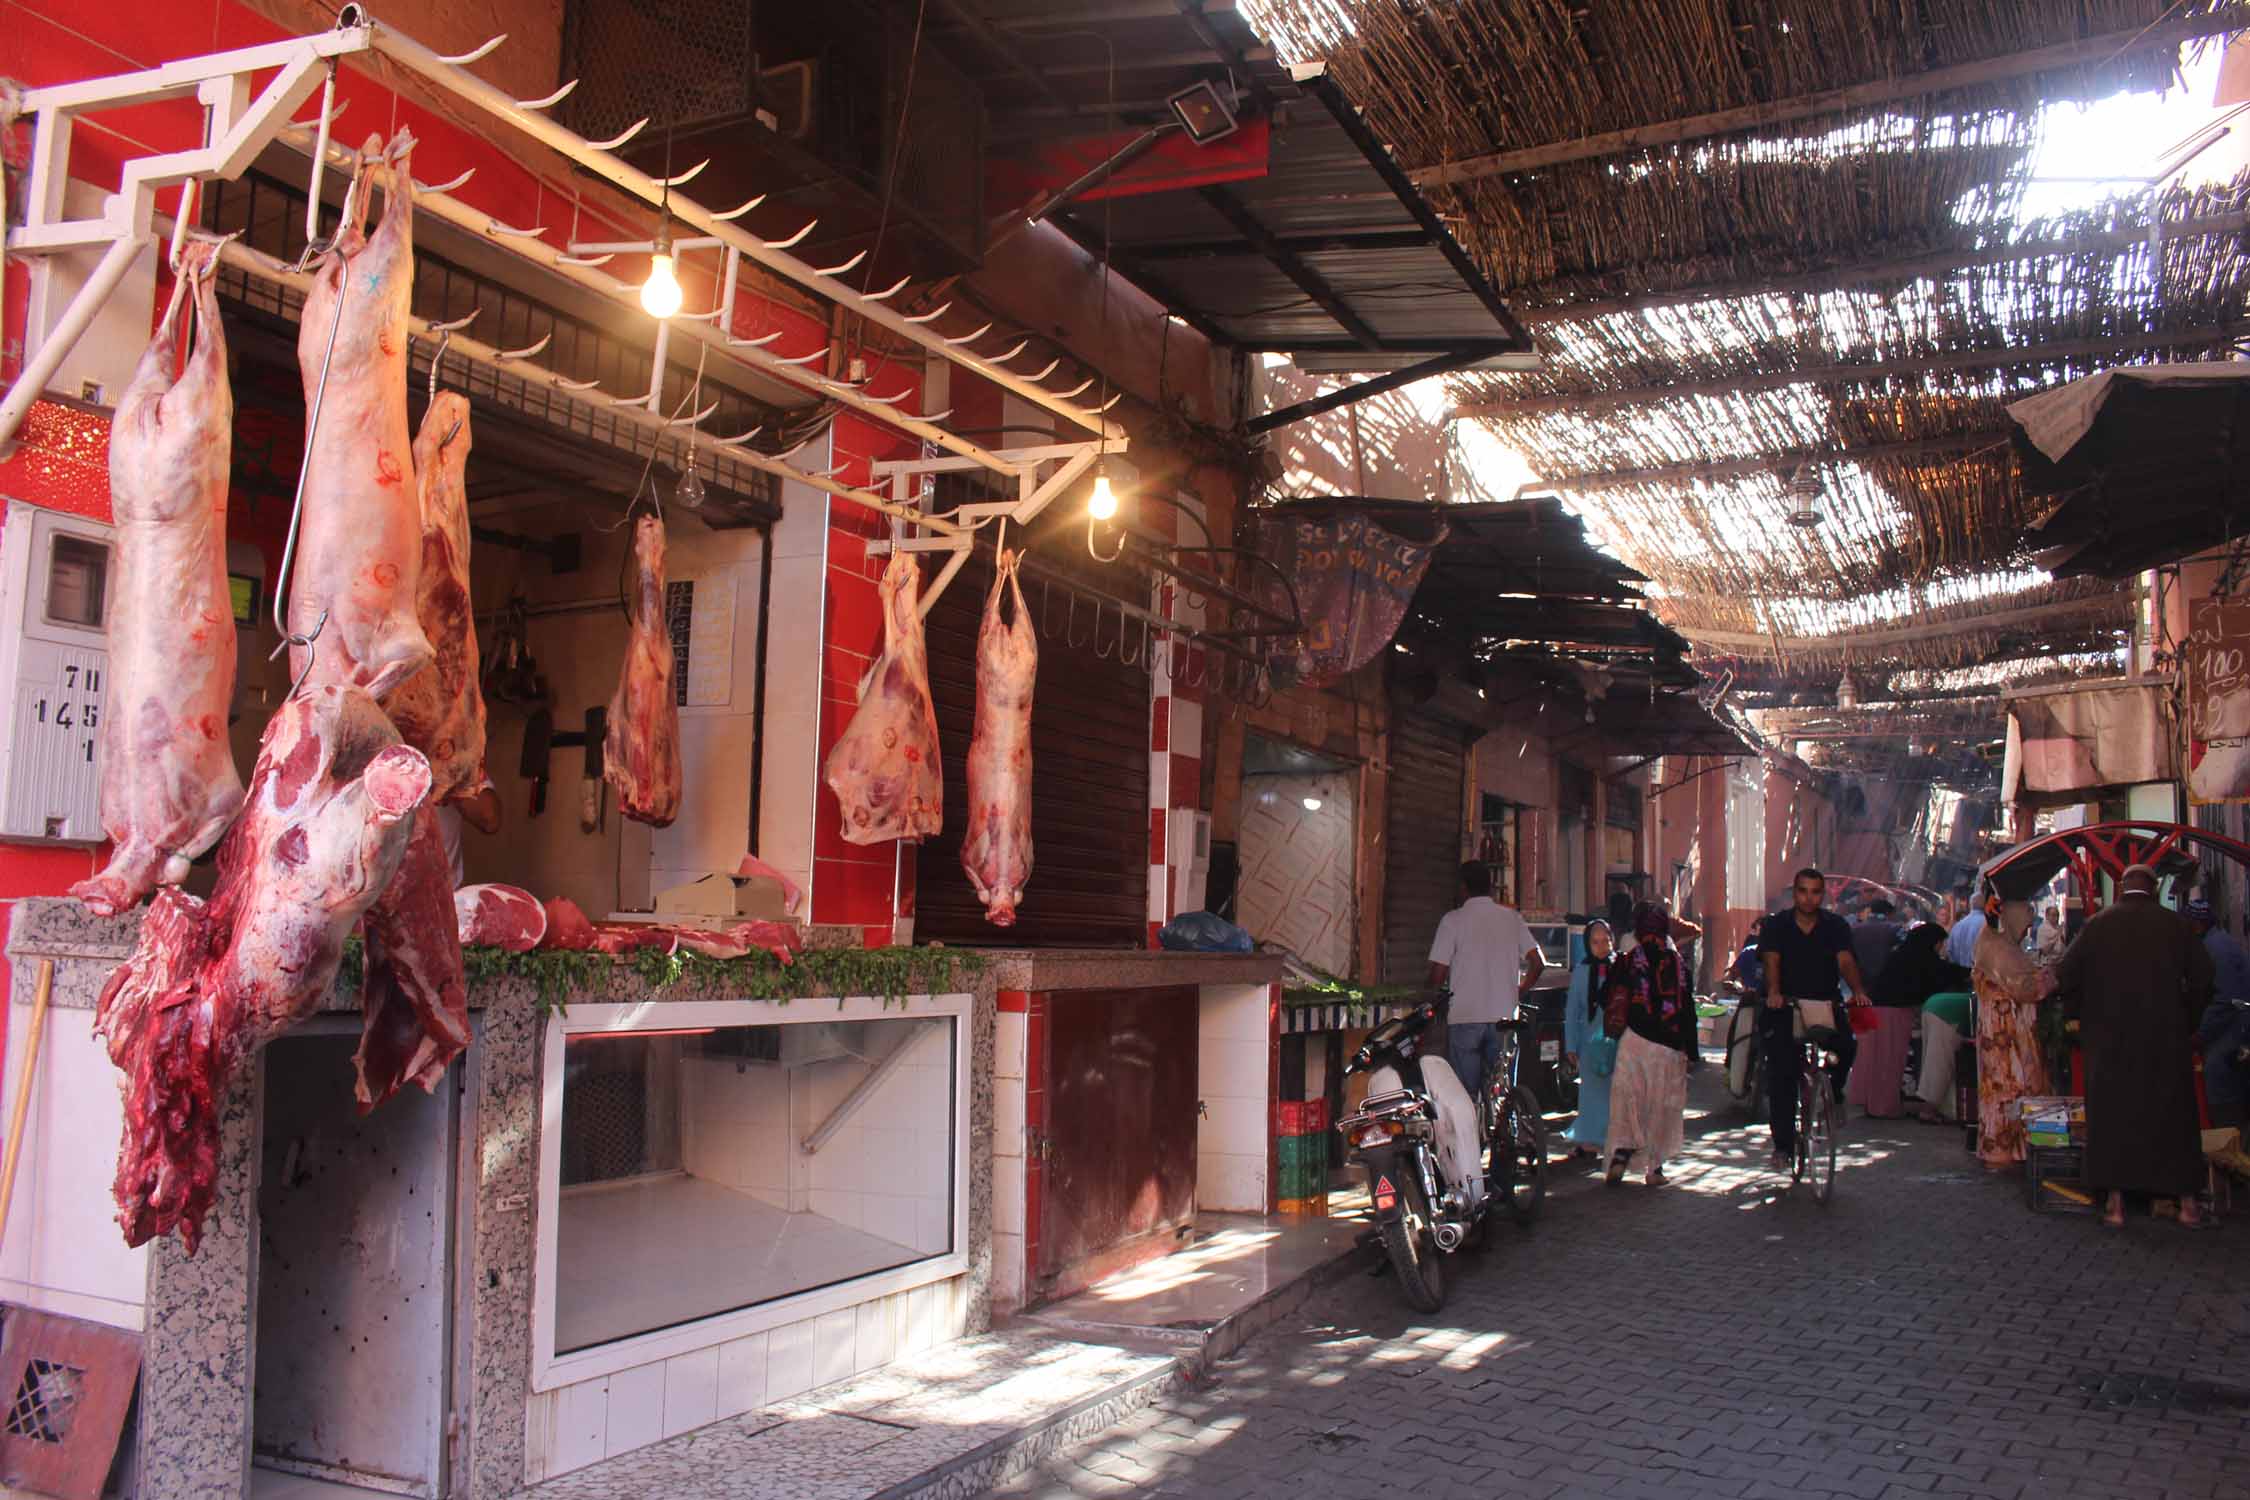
{"x":2218,"y":700}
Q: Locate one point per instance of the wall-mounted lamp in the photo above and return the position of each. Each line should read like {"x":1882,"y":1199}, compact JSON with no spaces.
{"x":1312,"y":804}
{"x":1203,"y":113}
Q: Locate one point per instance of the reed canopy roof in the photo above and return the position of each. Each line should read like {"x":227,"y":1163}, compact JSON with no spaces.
{"x":1776,"y":261}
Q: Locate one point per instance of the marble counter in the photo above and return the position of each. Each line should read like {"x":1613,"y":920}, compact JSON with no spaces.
{"x":1050,"y":969}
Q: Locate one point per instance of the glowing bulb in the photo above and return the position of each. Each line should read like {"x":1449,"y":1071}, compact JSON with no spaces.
{"x":1312,"y":804}
{"x":1102,"y":504}
{"x":660,"y":294}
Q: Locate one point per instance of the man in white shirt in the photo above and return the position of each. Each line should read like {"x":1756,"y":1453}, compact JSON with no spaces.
{"x":1486,"y":954}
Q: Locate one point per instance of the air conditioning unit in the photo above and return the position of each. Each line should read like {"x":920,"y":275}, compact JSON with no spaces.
{"x":1187,"y":848}
{"x":58,"y":581}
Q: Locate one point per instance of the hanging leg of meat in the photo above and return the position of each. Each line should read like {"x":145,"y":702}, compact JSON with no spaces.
{"x":169,"y":785}
{"x":641,"y":749}
{"x":325,"y":826}
{"x":996,"y":852}
{"x":440,"y":709}
{"x":359,"y":553}
{"x":884,"y":768}
{"x":499,"y":916}
{"x":415,"y":994}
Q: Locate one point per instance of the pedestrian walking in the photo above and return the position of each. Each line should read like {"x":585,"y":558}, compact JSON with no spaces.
{"x":1961,"y":942}
{"x":2009,"y":987}
{"x":2136,"y":980}
{"x":1880,"y":1071}
{"x":1932,"y":992}
{"x":1587,"y":1043}
{"x":1485,"y":953}
{"x":1651,"y":1014}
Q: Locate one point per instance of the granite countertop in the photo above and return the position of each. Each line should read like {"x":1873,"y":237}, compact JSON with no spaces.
{"x":59,"y":927}
{"x":1124,"y":968}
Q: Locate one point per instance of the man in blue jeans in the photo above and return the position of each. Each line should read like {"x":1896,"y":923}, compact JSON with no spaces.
{"x":1486,"y":954}
{"x":1807,"y":953}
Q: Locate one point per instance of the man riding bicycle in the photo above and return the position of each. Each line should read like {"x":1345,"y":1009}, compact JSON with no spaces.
{"x":1807,"y":954}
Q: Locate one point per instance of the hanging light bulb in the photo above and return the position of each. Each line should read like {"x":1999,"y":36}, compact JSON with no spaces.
{"x":660,"y":294}
{"x":689,"y":491}
{"x":1102,"y":504}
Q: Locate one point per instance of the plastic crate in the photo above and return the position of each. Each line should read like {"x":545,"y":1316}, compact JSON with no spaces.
{"x":1303,"y":1166}
{"x":1300,"y":1117}
{"x":2054,"y":1179}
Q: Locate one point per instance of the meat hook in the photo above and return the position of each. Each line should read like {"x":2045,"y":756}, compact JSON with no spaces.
{"x":528,"y":350}
{"x":1138,"y":657}
{"x":463,"y":59}
{"x":929,"y":317}
{"x":445,"y":332}
{"x":557,"y":97}
{"x":969,"y":338}
{"x":1046,"y":600}
{"x":1070,"y":620}
{"x":793,"y":239}
{"x":308,"y":642}
{"x":618,"y":140}
{"x":297,"y":505}
{"x":426,"y":190}
{"x":1117,"y":645}
{"x":736,"y":213}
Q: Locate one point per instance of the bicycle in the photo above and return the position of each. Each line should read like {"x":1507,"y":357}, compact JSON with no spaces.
{"x":1515,"y":1135}
{"x":1816,"y":1102}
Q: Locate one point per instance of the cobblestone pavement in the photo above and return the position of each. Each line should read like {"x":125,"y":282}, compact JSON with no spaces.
{"x":1925,"y":1334}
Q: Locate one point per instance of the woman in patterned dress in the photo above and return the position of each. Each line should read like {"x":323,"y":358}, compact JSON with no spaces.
{"x":1651,"y":1013}
{"x":2009,"y":987}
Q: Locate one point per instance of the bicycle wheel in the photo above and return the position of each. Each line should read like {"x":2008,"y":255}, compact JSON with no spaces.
{"x":1523,"y":1141}
{"x":1806,"y":1094}
{"x":1821,"y":1142}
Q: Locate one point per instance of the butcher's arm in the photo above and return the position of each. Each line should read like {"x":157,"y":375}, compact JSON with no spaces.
{"x":481,"y":810}
{"x":1684,"y":931}
{"x":1438,"y":975}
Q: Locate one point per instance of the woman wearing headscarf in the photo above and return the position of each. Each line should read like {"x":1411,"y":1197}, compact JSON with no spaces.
{"x":2009,"y":987}
{"x":1582,"y":1024}
{"x":1651,"y":1014}
{"x":1935,"y":991}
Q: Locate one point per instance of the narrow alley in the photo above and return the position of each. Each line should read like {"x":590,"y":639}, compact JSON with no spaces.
{"x":1922,"y":1335}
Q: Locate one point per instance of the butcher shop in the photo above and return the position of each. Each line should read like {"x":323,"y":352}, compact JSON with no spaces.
{"x":623,"y":652}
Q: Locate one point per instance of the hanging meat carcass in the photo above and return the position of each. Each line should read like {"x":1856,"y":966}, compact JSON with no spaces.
{"x":169,"y":784}
{"x":359,"y":550}
{"x":330,"y":809}
{"x":641,"y":747}
{"x":440,"y":709}
{"x":996,"y":851}
{"x":884,"y":769}
{"x":414,"y":993}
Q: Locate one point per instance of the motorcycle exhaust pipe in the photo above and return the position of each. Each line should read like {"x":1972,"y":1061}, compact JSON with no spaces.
{"x":1448,"y":1237}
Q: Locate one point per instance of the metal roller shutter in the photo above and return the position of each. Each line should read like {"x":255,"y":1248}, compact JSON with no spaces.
{"x":1421,"y":839}
{"x":1089,"y":793}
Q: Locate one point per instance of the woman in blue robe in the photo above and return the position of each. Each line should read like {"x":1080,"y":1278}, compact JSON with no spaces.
{"x":1582,"y":1023}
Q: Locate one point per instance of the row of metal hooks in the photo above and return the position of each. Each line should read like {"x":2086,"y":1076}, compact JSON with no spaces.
{"x":1168,"y":651}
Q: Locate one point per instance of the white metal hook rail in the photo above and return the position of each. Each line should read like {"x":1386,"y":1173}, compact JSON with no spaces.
{"x":515,"y":362}
{"x":238,"y":127}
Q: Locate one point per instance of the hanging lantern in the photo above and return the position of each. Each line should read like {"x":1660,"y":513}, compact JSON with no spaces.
{"x":1847,"y":691}
{"x":1803,"y":495}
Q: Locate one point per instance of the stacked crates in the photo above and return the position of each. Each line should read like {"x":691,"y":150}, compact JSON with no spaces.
{"x":1301,"y":1127}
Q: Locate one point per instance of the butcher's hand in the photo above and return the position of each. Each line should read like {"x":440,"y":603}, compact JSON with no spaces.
{"x":1776,"y":1002}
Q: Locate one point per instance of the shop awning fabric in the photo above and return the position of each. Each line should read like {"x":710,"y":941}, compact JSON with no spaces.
{"x":2147,"y":464}
{"x":2064,"y":747}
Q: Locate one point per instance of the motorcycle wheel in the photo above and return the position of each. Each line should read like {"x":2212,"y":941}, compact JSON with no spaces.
{"x":1414,"y":1254}
{"x":1523,"y":1139}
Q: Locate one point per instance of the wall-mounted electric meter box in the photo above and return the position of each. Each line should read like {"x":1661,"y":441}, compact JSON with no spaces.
{"x":58,"y":584}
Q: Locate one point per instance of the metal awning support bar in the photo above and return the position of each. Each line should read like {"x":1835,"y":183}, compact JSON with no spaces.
{"x":455,"y":80}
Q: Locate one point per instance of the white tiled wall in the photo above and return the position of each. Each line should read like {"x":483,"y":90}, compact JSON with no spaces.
{"x":64,"y":1253}
{"x":1008,"y":1082}
{"x":1234,"y":1049}
{"x":734,"y":1126}
{"x":576,"y":1425}
{"x":793,"y":651}
{"x":888,"y":1169}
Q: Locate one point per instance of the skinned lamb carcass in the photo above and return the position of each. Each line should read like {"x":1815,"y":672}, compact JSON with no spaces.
{"x":440,"y":709}
{"x":884,"y":768}
{"x":996,"y":851}
{"x":641,"y":747}
{"x":359,"y":552}
{"x":499,"y":916}
{"x":169,"y":784}
{"x":323,"y":830}
{"x":414,"y":992}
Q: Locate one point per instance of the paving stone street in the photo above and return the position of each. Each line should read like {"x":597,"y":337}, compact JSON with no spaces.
{"x":1925,"y":1334}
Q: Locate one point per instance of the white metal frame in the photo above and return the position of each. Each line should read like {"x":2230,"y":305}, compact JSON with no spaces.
{"x":238,"y":126}
{"x":550,"y":1370}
